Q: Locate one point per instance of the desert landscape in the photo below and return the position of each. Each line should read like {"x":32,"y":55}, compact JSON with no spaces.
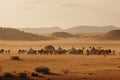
{"x":66,"y":66}
{"x":59,"y":39}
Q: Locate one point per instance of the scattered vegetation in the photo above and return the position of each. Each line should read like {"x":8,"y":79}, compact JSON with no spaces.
{"x":15,"y":58}
{"x":33,"y":74}
{"x":43,"y":70}
{"x":22,"y":75}
{"x":90,"y":73}
{"x":14,"y":71}
{"x":8,"y":75}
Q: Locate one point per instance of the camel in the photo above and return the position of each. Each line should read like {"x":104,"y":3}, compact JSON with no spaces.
{"x":2,"y":51}
{"x":31,"y":51}
{"x":22,"y":51}
{"x":72,"y":51}
{"x":61,"y":51}
{"x":49,"y":49}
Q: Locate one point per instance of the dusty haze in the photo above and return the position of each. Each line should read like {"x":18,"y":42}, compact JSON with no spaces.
{"x":64,"y":13}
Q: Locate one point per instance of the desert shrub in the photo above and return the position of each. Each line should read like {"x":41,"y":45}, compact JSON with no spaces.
{"x":33,"y":74}
{"x":19,"y":76}
{"x":43,"y":70}
{"x":14,"y":71}
{"x":8,"y":75}
{"x":65,"y":71}
{"x":90,"y":73}
{"x":22,"y":75}
{"x":15,"y":58}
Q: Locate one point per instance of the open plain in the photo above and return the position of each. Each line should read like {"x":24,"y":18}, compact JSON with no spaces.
{"x":78,"y":67}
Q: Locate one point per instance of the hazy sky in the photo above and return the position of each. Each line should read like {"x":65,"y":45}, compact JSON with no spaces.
{"x":63,"y":13}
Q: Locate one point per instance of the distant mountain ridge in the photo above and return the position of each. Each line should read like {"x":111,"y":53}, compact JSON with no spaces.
{"x":77,"y":29}
{"x":45,"y":30}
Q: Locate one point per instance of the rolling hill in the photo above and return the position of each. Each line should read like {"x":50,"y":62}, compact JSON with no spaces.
{"x":113,"y":35}
{"x":62,"y":35}
{"x":14,"y":34}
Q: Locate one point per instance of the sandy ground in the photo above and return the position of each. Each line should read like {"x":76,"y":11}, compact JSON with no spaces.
{"x":65,"y":43}
{"x":79,"y":67}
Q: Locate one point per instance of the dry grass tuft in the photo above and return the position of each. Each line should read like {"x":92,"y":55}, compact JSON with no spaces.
{"x":15,"y":58}
{"x":43,"y":70}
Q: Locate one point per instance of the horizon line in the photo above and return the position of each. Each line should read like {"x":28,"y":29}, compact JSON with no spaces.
{"x":62,"y":27}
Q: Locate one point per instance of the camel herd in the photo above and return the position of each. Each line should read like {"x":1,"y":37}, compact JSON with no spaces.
{"x":50,"y":49}
{"x":4,"y":51}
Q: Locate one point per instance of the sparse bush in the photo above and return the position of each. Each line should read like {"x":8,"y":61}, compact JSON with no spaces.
{"x":15,"y":58}
{"x":8,"y":75}
{"x":14,"y":71}
{"x":43,"y":70}
{"x":22,"y":75}
{"x":90,"y":73}
{"x":33,"y":74}
{"x":65,"y":71}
